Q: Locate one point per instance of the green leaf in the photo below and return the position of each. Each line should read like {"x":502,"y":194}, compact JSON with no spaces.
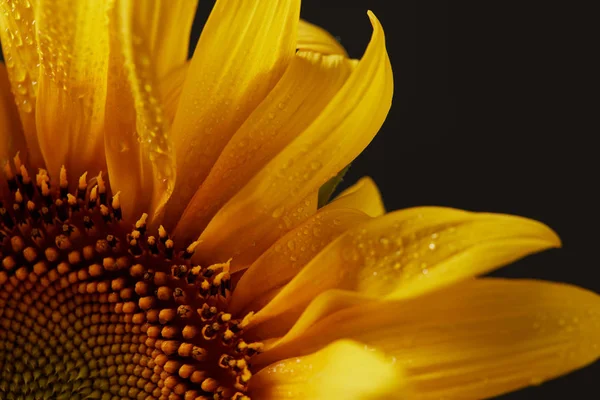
{"x":328,"y":187}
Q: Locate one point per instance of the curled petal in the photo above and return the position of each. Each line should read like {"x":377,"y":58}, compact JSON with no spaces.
{"x":363,"y":195}
{"x":299,"y":97}
{"x":340,"y":132}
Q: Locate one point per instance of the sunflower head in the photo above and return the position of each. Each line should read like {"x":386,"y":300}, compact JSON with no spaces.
{"x":165,"y":229}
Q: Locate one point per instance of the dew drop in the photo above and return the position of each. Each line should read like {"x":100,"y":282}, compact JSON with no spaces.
{"x":26,"y":106}
{"x":19,"y":74}
{"x":278,"y":212}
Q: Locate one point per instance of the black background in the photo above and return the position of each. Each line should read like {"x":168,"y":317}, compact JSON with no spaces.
{"x":491,"y":112}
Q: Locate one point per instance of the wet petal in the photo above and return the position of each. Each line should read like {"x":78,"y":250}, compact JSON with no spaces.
{"x":478,"y":339}
{"x":314,"y":38}
{"x":242,"y":53}
{"x":140,"y":158}
{"x":339,"y":134}
{"x":19,"y":47}
{"x":302,"y":93}
{"x":73,"y":47}
{"x":165,"y":26}
{"x":363,"y":195}
{"x":344,"y":369}
{"x":282,"y":261}
{"x":409,"y":252}
{"x":11,"y":131}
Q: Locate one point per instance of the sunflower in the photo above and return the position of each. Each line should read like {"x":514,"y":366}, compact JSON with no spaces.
{"x":162,"y":237}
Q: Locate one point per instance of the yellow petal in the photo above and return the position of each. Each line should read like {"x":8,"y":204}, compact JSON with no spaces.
{"x":364,"y":196}
{"x":298,"y":98}
{"x":409,"y":252}
{"x":288,"y":255}
{"x":243,"y":252}
{"x":165,"y":26}
{"x":314,"y":38}
{"x":11,"y":131}
{"x":339,"y":134}
{"x":342,"y":370}
{"x":19,"y":47}
{"x":295,"y":322}
{"x":242,"y":53}
{"x":73,"y":47}
{"x":478,"y":339}
{"x":170,"y":90}
{"x":139,"y":154}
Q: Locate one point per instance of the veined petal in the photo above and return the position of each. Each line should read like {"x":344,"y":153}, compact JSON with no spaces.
{"x":306,"y":87}
{"x":363,"y":195}
{"x":478,"y":339}
{"x":170,"y":90}
{"x":139,"y":154}
{"x":73,"y":47}
{"x":339,"y":134}
{"x":11,"y":131}
{"x":19,"y":47}
{"x":314,"y":38}
{"x":409,"y":252}
{"x":242,"y":53}
{"x":288,"y":255}
{"x":344,"y":369}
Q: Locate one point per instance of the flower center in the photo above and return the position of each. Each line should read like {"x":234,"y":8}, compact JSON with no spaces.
{"x":93,"y":308}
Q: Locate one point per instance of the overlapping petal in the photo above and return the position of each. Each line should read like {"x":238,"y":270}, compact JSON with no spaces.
{"x":242,"y":53}
{"x":306,"y":87}
{"x":337,"y":136}
{"x":282,"y":261}
{"x":477,"y":339}
{"x":342,"y":370}
{"x":410,"y":252}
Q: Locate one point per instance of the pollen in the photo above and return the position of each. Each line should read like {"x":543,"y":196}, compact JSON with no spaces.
{"x":92,"y":306}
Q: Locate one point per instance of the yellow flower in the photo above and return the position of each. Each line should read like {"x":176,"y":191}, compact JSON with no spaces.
{"x":160,"y":236}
